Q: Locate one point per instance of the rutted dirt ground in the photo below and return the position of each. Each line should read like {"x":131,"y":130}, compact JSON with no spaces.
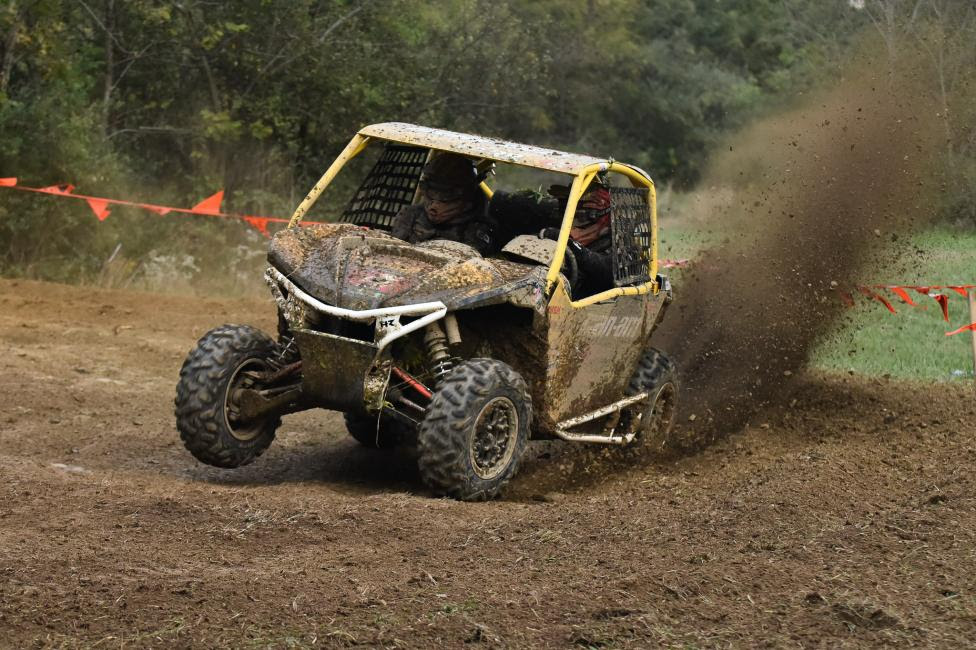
{"x":848,"y":518}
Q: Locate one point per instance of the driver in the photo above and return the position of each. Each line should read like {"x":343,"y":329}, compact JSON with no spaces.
{"x":453,"y":206}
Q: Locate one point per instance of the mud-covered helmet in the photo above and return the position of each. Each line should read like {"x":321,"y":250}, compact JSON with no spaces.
{"x":449,"y":176}
{"x":593,"y":206}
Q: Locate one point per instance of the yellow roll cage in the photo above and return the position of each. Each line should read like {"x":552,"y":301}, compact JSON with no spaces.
{"x":507,"y":152}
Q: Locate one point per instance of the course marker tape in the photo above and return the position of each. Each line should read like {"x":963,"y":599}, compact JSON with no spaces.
{"x":210,"y":206}
{"x":99,"y":205}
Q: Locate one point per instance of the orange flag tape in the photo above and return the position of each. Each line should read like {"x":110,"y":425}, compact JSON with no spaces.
{"x":210,"y":206}
{"x":964,"y":328}
{"x":673,"y":264}
{"x":902,"y":292}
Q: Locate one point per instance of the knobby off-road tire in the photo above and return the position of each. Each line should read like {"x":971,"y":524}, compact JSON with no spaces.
{"x":205,"y":414}
{"x":475,"y":430}
{"x":657,"y":375}
{"x":362,"y":427}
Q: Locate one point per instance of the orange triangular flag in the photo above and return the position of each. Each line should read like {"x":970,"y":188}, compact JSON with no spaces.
{"x":877,"y":296}
{"x":210,"y":205}
{"x":962,"y":291}
{"x":943,"y":301}
{"x":901,"y":293}
{"x":260,"y":224}
{"x":100,"y":208}
{"x":8,"y":182}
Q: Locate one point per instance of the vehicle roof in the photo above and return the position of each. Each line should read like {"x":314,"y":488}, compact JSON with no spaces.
{"x":477,"y":146}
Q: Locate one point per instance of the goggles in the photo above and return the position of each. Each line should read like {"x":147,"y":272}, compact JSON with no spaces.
{"x":442,"y":194}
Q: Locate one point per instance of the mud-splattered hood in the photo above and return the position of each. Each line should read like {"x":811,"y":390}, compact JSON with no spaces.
{"x":358,"y":268}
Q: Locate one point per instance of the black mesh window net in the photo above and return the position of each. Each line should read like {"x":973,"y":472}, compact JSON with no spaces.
{"x":630,"y":227}
{"x":389,"y":186}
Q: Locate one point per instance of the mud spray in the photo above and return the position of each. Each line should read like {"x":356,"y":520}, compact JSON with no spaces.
{"x":806,"y":200}
{"x":819,"y":197}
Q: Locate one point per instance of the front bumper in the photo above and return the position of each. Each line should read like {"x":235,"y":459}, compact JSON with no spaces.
{"x":341,"y":373}
{"x":294,"y":301}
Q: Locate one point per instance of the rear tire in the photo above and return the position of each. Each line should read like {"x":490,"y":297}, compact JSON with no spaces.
{"x":205,"y":409}
{"x":657,"y":375}
{"x":475,"y":430}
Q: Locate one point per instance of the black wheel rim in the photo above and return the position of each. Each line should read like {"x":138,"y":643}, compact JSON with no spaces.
{"x":649,"y":421}
{"x":494,"y":437}
{"x":241,"y":428}
{"x":661,"y":416}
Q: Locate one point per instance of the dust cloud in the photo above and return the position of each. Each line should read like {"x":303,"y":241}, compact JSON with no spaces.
{"x":816,"y":196}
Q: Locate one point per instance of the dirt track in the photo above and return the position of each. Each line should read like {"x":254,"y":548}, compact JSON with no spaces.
{"x":848,"y":518}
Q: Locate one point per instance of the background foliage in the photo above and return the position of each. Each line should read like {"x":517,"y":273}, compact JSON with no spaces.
{"x":169,"y":101}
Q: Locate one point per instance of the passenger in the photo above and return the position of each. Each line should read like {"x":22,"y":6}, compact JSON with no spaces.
{"x":453,"y":206}
{"x":590,"y":241}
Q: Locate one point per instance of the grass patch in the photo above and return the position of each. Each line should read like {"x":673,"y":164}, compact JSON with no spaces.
{"x":912,"y":343}
{"x":677,"y":240}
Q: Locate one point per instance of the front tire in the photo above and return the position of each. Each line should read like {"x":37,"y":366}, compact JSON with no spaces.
{"x":206,"y":415}
{"x":475,"y":430}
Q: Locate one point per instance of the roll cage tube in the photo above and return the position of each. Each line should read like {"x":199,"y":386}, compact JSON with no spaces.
{"x":353,"y":149}
{"x":580,"y":183}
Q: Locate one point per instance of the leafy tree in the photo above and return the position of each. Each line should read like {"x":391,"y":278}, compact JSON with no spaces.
{"x":169,"y":101}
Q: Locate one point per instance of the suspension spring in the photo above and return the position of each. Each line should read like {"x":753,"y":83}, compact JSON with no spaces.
{"x":438,"y":353}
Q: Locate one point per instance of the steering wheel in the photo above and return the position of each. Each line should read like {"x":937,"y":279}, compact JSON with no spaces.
{"x":570,"y":269}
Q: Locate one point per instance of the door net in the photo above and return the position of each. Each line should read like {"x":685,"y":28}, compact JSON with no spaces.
{"x":390,"y":185}
{"x":630,"y":228}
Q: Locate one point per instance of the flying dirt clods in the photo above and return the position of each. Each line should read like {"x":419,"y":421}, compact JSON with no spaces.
{"x":811,"y":197}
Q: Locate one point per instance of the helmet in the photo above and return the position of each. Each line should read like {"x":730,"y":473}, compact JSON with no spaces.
{"x":449,"y":176}
{"x":593,"y":206}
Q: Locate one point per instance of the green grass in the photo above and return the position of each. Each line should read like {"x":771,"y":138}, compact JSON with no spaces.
{"x":678,"y":241}
{"x":910,"y":344}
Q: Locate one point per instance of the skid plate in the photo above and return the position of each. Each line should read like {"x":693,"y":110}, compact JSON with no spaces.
{"x":335,"y":370}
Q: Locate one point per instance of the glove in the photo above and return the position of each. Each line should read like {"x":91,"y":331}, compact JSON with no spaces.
{"x":572,"y":246}
{"x":582,"y":255}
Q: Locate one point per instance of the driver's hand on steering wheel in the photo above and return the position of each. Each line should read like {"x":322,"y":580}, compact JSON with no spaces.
{"x":574,"y":254}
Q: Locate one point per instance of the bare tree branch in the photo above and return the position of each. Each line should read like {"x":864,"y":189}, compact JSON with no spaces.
{"x":276,"y":62}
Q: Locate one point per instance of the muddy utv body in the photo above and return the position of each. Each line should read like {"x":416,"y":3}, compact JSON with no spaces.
{"x":468,"y":357}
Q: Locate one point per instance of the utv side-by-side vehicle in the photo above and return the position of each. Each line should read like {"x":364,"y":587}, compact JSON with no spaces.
{"x":432,"y":344}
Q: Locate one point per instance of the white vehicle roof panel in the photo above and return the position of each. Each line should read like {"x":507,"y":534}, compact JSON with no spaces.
{"x":476,"y":146}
